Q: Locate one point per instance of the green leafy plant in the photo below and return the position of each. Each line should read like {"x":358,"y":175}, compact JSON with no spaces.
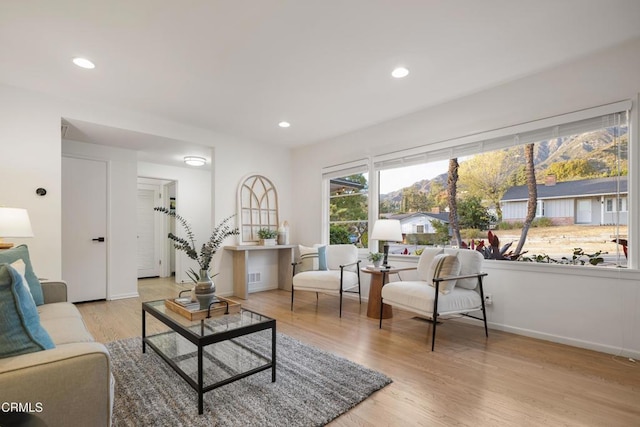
{"x":579,"y":257}
{"x":375,"y":256}
{"x":267,"y":233}
{"x":442,"y":231}
{"x":188,"y":244}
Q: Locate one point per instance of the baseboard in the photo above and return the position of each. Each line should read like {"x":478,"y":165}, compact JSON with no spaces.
{"x":346,"y":295}
{"x":603,"y":348}
{"x":124,"y":296}
{"x":261,"y":288}
{"x":573,"y":342}
{"x":225,"y":294}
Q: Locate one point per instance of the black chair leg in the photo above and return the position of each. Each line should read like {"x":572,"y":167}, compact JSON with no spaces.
{"x":381,"y":307}
{"x":484,"y":309}
{"x":435,"y":314}
{"x":484,"y":315}
{"x":340,"y":302}
{"x":358,"y":273}
{"x":433,"y":336}
{"x":291,"y":298}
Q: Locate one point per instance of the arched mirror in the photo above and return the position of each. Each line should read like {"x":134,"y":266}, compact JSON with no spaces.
{"x":258,"y":204}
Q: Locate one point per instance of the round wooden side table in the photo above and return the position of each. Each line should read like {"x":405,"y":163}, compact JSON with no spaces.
{"x":378,"y":277}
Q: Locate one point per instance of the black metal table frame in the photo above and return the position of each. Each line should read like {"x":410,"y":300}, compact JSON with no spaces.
{"x":203,"y":341}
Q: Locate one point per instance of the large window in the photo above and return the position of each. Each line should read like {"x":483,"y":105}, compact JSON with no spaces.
{"x":578,"y":170}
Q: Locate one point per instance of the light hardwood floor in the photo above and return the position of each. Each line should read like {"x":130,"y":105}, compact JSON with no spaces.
{"x":469,"y":380}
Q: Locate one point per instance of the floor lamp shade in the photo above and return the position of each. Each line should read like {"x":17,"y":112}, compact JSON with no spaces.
{"x":14,"y":222}
{"x":387,"y":230}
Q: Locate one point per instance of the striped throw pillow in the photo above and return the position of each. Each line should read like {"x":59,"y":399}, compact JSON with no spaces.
{"x":312,"y":258}
{"x":444,"y":265}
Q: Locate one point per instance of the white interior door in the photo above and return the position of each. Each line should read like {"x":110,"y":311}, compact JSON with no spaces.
{"x":84,"y":228}
{"x":149,"y":230}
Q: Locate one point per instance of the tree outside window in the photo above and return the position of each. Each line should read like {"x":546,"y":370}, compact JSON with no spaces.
{"x":349,"y":210}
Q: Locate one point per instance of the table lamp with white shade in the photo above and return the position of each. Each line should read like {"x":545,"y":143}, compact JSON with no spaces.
{"x":387,"y":230}
{"x":14,"y":222}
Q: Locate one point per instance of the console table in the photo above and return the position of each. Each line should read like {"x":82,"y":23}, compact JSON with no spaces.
{"x":241,"y":259}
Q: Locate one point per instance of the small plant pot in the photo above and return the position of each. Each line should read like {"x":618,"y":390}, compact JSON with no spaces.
{"x":377,"y":263}
{"x":268,"y":242}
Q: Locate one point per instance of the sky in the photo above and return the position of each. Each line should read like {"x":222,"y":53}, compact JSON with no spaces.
{"x":395,"y":179}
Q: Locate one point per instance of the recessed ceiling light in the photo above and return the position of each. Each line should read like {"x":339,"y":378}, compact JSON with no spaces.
{"x":195,"y":160}
{"x":400,"y":72}
{"x":284,"y":124}
{"x":84,"y":63}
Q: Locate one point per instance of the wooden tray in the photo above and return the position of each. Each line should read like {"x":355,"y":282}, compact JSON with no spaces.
{"x":218,"y":309}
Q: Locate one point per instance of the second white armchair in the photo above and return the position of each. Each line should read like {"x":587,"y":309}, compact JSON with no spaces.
{"x":342,"y":274}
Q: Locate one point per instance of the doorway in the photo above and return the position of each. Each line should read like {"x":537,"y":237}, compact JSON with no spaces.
{"x":149,"y":231}
{"x":155,"y":253}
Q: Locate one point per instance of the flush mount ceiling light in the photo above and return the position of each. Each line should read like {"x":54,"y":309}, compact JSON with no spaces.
{"x":400,"y":72}
{"x":84,"y":63}
{"x":195,"y":160}
{"x":284,"y":124}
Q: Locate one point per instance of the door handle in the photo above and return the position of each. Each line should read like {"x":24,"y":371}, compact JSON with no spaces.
{"x":99,"y":239}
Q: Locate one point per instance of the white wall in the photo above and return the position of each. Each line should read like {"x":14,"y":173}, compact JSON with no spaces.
{"x":32,"y":150}
{"x":30,"y":144}
{"x":583,"y":308}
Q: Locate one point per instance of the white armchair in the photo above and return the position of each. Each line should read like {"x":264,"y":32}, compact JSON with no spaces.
{"x":449,"y":282}
{"x":342,"y":273}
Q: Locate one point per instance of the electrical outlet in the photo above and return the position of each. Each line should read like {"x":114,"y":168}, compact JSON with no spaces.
{"x":488,"y":299}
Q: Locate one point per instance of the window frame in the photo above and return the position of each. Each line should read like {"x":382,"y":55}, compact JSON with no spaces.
{"x":336,"y":171}
{"x":610,"y":204}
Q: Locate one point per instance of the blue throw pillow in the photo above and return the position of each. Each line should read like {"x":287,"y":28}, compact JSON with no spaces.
{"x":10,"y":256}
{"x":322,"y":258}
{"x":20,"y":329}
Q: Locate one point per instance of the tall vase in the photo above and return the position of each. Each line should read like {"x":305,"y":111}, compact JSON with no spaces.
{"x":205,"y":289}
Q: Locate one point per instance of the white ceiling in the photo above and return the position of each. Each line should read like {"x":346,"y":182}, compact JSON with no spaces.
{"x":149,"y":148}
{"x":240,"y":66}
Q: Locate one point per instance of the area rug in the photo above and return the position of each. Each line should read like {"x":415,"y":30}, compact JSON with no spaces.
{"x":312,"y":388}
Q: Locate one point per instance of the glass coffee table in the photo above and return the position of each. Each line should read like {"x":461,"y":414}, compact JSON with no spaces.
{"x":212,"y":352}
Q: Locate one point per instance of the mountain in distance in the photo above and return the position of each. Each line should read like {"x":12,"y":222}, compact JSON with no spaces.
{"x":423,"y":186}
{"x":597,"y":147}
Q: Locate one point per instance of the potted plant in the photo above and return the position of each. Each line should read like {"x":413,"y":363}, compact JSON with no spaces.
{"x":205,"y":288}
{"x":376,"y":257}
{"x":267,"y":236}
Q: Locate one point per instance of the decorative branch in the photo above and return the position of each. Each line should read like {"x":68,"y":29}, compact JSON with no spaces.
{"x":188,"y":245}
